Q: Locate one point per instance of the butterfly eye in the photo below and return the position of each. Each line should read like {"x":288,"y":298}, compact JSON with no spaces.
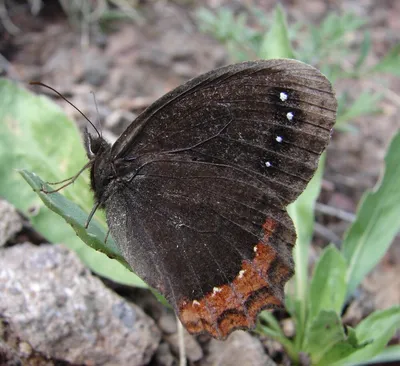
{"x":93,"y":144}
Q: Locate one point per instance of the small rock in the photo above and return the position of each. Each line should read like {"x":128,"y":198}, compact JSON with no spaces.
{"x":240,"y":348}
{"x":164,"y":356}
{"x":288,"y":327}
{"x":183,"y":69}
{"x":16,"y":352}
{"x":155,"y":57}
{"x":148,"y":302}
{"x":118,"y":118}
{"x":193,"y":350}
{"x":273,"y":347}
{"x":10,"y":222}
{"x":61,"y":309}
{"x":167,"y":322}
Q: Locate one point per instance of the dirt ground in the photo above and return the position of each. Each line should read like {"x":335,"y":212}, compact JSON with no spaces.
{"x":136,"y":62}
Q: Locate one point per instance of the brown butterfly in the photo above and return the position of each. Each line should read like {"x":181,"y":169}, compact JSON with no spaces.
{"x":196,"y":188}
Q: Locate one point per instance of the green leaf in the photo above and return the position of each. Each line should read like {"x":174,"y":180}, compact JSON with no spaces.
{"x":364,"y":50}
{"x":389,"y":354}
{"x":285,"y":342}
{"x":297,"y":311}
{"x":377,"y":221}
{"x":276,"y":43}
{"x":328,"y":284}
{"x":365,"y":104}
{"x":273,"y":330}
{"x":225,"y":24}
{"x":352,"y":338}
{"x":324,"y":332}
{"x":94,"y":236}
{"x":366,"y":343}
{"x":206,"y":20}
{"x":342,"y":349}
{"x":390,"y":63}
{"x":336,"y":354}
{"x":302,"y":214}
{"x":325,"y":43}
{"x":375,"y":331}
{"x":267,"y":317}
{"x":344,"y":126}
{"x":36,"y":135}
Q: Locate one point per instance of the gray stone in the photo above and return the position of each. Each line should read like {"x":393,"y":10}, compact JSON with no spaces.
{"x":240,"y":348}
{"x":164,"y":356}
{"x":193,"y":350}
{"x":288,"y":327}
{"x":167,"y":321}
{"x":61,"y":309}
{"x":16,"y":352}
{"x":10,"y":222}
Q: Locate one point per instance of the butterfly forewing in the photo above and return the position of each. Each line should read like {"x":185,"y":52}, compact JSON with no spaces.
{"x":204,"y":178}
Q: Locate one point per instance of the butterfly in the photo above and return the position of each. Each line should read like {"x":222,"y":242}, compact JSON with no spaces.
{"x":195,"y":190}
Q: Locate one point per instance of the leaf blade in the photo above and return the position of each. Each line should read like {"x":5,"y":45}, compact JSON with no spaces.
{"x":377,"y":221}
{"x":276,"y":43}
{"x":328,"y":283}
{"x":36,"y":135}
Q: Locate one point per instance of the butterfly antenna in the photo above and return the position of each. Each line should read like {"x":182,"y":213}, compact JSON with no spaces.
{"x":97,"y":110}
{"x":62,"y":97}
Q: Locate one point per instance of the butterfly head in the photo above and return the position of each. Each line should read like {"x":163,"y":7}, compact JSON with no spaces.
{"x":94,"y":145}
{"x":101,"y":171}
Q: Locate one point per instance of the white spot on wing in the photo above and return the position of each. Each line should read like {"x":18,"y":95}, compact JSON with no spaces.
{"x":283,"y":96}
{"x":195,"y":303}
{"x":241,"y":273}
{"x":289,"y":116}
{"x":255,"y":248}
{"x":279,"y":139}
{"x":268,"y":164}
{"x":216,"y":290}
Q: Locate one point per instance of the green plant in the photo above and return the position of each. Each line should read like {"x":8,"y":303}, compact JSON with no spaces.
{"x":82,"y":14}
{"x":324,"y":46}
{"x":315,"y":305}
{"x":35,"y":134}
{"x":88,"y":13}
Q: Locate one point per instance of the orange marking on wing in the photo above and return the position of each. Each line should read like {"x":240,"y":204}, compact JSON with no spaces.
{"x":269,"y":226}
{"x":232,"y":321}
{"x":262,"y":301}
{"x":236,"y":305}
{"x":264,"y":257}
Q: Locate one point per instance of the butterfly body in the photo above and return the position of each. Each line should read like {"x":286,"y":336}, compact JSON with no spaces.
{"x":195,"y":190}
